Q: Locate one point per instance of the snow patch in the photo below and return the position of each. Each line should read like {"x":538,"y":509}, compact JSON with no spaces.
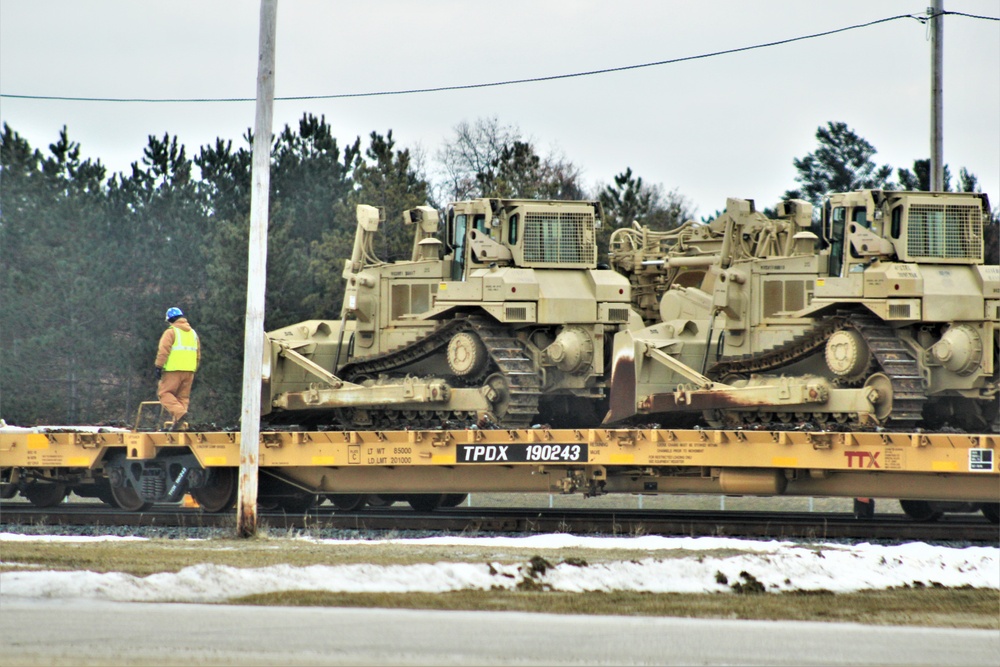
{"x":777,"y":566}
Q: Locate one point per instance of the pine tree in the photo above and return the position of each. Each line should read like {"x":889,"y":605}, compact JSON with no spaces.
{"x":843,"y":162}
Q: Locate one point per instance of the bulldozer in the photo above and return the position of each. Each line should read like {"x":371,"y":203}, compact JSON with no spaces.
{"x":885,"y":315}
{"x":508,"y":320}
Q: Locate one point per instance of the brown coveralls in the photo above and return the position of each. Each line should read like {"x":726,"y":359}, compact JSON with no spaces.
{"x":174,"y":388}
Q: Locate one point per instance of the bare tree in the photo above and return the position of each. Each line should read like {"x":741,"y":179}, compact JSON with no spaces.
{"x":470,"y":161}
{"x":488,"y":159}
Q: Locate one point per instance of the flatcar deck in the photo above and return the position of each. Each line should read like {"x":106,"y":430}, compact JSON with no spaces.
{"x":929,"y":466}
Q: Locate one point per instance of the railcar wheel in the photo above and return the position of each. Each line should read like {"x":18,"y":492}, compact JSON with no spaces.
{"x":45,"y":494}
{"x":298,"y":503}
{"x":274,"y":492}
{"x":454,"y":499}
{"x":347,"y":502}
{"x":220,"y":493}
{"x":920,"y":510}
{"x":991,"y":511}
{"x":425,"y":502}
{"x":8,"y":491}
{"x":128,"y":499}
{"x":376,"y":500}
{"x":103,"y":492}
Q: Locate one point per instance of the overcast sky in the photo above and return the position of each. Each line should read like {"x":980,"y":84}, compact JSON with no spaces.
{"x":723,"y":126}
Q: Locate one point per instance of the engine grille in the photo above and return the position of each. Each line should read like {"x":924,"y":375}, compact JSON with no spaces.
{"x":945,"y":232}
{"x":899,"y":311}
{"x":618,"y":314}
{"x":517,"y":313}
{"x":559,"y":238}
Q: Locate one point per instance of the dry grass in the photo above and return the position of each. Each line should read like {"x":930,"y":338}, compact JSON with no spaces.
{"x":962,"y":608}
{"x":141,"y":558}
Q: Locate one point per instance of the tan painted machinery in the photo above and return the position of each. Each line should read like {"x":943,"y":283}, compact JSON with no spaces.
{"x":890,"y":318}
{"x":508,"y":320}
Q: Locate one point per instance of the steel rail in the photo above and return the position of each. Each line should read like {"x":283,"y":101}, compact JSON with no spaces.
{"x":478,"y":521}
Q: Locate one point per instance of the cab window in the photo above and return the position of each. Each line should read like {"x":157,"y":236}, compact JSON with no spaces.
{"x":837,"y":222}
{"x":896,"y":227}
{"x":860,"y":216}
{"x":512,"y":223}
{"x":458,"y":244}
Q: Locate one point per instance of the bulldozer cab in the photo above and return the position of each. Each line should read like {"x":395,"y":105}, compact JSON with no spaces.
{"x":842,"y":220}
{"x":913,"y":227}
{"x":462,"y":226}
{"x":522,"y":233}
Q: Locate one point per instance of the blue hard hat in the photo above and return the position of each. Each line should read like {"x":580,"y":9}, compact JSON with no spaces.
{"x":174,"y":312}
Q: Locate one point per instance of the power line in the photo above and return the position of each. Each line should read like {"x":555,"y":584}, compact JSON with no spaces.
{"x":511,"y":82}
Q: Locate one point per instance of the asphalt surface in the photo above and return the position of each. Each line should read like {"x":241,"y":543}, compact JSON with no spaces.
{"x":81,"y":632}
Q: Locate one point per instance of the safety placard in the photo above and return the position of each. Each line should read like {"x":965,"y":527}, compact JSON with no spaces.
{"x":981,"y":460}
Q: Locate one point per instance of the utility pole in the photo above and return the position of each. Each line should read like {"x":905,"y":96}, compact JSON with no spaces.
{"x":937,"y":107}
{"x":253,"y":354}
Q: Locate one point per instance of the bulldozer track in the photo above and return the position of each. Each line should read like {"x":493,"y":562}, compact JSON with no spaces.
{"x":523,"y":385}
{"x":796,"y":349}
{"x":908,"y":395}
{"x":416,"y":351}
{"x":890,"y":355}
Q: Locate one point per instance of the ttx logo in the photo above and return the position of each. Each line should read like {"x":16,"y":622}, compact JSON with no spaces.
{"x":858,"y":459}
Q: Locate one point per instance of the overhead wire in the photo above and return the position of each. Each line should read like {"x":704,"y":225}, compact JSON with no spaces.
{"x":510,"y":82}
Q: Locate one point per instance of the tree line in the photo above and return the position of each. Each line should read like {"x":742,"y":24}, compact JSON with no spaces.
{"x":89,"y":262}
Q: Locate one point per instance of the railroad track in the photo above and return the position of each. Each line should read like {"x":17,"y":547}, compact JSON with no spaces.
{"x":471,"y":521}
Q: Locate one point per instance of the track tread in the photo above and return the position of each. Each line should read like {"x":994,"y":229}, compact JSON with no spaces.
{"x":890,"y":353}
{"x":506,"y":352}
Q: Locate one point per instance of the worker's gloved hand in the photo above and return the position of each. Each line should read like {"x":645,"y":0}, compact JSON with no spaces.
{"x":159,"y":372}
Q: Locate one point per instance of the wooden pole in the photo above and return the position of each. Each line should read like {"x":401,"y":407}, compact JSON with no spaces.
{"x":253,"y":354}
{"x":937,"y":104}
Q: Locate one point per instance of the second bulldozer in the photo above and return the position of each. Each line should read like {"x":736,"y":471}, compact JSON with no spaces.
{"x":508,"y":320}
{"x":890,"y":317}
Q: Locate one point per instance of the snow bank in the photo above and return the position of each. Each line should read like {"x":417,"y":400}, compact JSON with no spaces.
{"x":683,"y":565}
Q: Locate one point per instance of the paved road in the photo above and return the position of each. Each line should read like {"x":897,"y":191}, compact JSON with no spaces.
{"x":61,"y":632}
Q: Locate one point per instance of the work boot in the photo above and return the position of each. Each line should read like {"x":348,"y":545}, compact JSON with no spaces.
{"x":179,"y":424}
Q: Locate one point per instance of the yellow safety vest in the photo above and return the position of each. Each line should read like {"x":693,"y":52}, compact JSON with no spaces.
{"x":184,"y":353}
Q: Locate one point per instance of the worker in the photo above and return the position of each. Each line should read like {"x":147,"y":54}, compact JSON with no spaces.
{"x":176,"y":363}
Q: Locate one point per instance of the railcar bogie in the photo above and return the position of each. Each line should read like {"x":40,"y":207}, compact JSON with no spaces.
{"x":932,"y":510}
{"x":45,"y":493}
{"x":347,"y":502}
